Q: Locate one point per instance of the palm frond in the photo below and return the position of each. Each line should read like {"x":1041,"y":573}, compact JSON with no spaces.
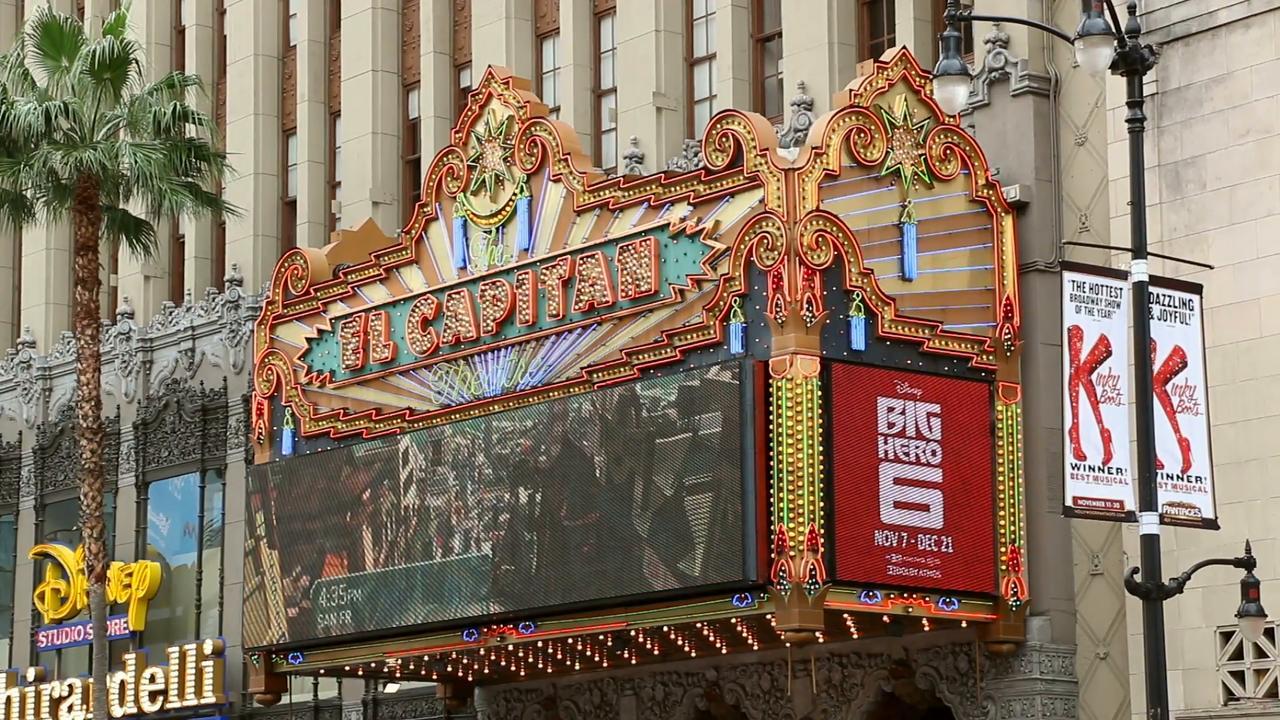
{"x":54,"y":43}
{"x":134,"y":233}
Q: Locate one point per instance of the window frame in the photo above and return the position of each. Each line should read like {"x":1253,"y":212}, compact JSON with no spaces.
{"x":541,"y":72}
{"x":598,"y":93}
{"x":411,"y":148}
{"x":865,"y":39}
{"x":691,"y":61}
{"x":759,"y":38}
{"x":335,"y":176}
{"x":289,"y":204}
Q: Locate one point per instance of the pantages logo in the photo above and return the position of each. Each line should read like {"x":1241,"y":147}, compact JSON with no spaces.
{"x":193,"y":678}
{"x":64,"y":592}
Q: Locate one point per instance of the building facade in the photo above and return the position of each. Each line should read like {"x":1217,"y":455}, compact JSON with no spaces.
{"x":638,"y":81}
{"x":1213,"y":168}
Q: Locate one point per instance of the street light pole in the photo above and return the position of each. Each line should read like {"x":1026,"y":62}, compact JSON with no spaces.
{"x":1100,"y":45}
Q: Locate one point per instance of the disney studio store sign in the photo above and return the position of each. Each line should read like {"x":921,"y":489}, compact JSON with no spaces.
{"x":1098,"y":390}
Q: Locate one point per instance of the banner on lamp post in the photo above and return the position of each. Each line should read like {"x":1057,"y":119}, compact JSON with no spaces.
{"x":1096,"y":392}
{"x":1184,"y":461}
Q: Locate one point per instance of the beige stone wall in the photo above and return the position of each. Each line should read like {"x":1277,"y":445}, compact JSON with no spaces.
{"x":1213,"y":160}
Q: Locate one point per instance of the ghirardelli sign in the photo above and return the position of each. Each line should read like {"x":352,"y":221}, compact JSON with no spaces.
{"x":192,"y":678}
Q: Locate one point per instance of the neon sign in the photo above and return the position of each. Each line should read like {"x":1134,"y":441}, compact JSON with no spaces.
{"x":620,"y":275}
{"x":64,"y":592}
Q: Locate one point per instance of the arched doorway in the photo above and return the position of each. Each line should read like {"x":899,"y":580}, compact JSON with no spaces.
{"x":901,"y":698}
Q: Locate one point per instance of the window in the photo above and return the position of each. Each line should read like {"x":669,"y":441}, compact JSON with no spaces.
{"x":549,"y":72}
{"x":464,"y":89}
{"x":876,"y":19}
{"x":606,"y":92}
{"x":966,"y":29}
{"x":701,"y":49}
{"x":289,"y":219}
{"x":293,"y":23}
{"x":461,"y":55}
{"x":59,"y":522}
{"x":335,"y":171}
{"x":8,"y":562}
{"x":178,"y":262}
{"x":412,"y":182}
{"x":184,"y":535}
{"x":180,"y":19}
{"x":220,"y":253}
{"x":766,"y":33}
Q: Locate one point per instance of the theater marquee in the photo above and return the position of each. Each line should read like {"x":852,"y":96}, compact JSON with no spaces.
{"x":556,"y":393}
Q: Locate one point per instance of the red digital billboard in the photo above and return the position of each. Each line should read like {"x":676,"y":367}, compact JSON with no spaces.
{"x":914,"y":479}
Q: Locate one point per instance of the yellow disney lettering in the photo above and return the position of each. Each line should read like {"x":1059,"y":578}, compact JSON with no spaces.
{"x":63,"y":594}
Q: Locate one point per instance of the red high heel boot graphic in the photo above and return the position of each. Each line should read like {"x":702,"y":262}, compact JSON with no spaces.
{"x":1081,"y":378}
{"x":1172,"y":366}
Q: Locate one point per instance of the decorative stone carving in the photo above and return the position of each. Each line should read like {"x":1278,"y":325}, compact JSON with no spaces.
{"x":998,"y":64}
{"x":690,"y":157}
{"x":180,"y":423}
{"x":796,"y":131}
{"x":410,"y":706}
{"x":633,"y":158}
{"x":56,"y":453}
{"x":1036,"y":684}
{"x":10,"y":470}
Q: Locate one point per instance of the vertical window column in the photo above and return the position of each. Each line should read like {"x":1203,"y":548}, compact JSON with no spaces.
{"x":546,"y":53}
{"x":289,"y":217}
{"x":461,"y":55}
{"x":314,"y":209}
{"x":700,"y":43}
{"x":411,"y":128}
{"x":606,"y":92}
{"x":769,"y":95}
{"x":254,"y":101}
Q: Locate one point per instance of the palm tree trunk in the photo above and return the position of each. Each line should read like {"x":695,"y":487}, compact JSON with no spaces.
{"x":86,"y":313}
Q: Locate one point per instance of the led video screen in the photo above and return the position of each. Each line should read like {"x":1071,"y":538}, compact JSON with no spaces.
{"x":913,"y":470}
{"x":625,"y":491}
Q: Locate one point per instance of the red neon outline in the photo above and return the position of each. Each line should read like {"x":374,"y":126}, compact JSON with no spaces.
{"x":557,"y":289}
{"x":647,"y":248}
{"x":382,"y":349}
{"x":606,"y":277}
{"x":530,"y":291}
{"x":457,"y":300}
{"x":352,"y":331}
{"x":489,"y":325}
{"x":413,"y":326}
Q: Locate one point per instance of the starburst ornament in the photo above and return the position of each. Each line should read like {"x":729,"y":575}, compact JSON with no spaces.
{"x":907,"y":139}
{"x":490,"y":160}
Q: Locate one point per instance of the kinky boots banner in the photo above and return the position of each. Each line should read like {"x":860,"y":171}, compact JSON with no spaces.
{"x":1096,"y":310}
{"x":1184,"y":462}
{"x":1098,"y":472}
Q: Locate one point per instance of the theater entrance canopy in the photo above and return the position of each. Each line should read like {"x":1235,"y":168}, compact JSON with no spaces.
{"x":566,"y":421}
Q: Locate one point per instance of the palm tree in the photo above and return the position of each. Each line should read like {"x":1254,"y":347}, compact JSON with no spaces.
{"x":84,"y":137}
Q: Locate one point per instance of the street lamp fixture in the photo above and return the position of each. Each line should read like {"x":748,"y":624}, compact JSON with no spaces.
{"x":1102,"y":42}
{"x":1252,"y":618}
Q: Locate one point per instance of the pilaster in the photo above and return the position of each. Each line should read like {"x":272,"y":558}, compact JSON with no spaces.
{"x":371,"y":135}
{"x":820,"y":47}
{"x":145,"y":281}
{"x":313,"y":125}
{"x":438,"y":80}
{"x":502,"y":34}
{"x":651,"y":72}
{"x":577,"y":67}
{"x":10,"y":258}
{"x":199,"y":231}
{"x":733,"y":53}
{"x":46,"y":255}
{"x":914,"y":27}
{"x":254,"y":38}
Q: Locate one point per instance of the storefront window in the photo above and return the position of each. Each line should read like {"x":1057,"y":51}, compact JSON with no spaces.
{"x":8,"y":556}
{"x":61,"y":524}
{"x":184,"y":535}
